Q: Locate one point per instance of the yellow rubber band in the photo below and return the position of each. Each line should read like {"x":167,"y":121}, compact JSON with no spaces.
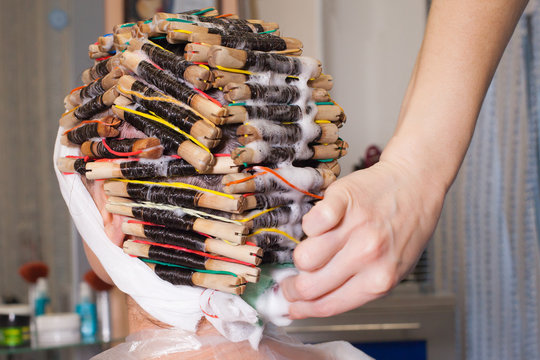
{"x":230,"y":243}
{"x":164,"y":98}
{"x":159,"y":46}
{"x":258,"y":214}
{"x":178,"y":185}
{"x":192,"y":212}
{"x":204,"y":66}
{"x":182,"y":31}
{"x":239,"y":71}
{"x":335,"y":103}
{"x":274,"y":230}
{"x":70,"y":111}
{"x":166,"y":123}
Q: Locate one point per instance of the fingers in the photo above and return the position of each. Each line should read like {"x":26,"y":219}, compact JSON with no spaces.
{"x":314,"y":252}
{"x":363,"y":287}
{"x":311,"y":285}
{"x":327,"y":213}
{"x":343,"y":262}
{"x":347,"y":297}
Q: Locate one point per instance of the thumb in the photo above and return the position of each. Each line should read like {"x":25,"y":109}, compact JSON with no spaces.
{"x":326,"y":214}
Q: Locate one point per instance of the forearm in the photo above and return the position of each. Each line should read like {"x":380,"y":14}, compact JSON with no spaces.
{"x":462,"y":46}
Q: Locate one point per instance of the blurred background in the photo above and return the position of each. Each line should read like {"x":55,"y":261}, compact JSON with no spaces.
{"x":369,"y":47}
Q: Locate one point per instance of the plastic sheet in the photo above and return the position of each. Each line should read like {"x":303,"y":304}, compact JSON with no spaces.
{"x":179,"y":344}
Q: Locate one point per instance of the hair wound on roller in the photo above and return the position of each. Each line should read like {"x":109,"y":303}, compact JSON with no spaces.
{"x":280,"y":110}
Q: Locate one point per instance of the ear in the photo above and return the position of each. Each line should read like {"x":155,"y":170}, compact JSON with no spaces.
{"x":111,"y":222}
{"x":113,"y":228}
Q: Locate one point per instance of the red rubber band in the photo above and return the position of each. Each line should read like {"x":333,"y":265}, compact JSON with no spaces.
{"x":201,"y":253}
{"x":208,"y":97}
{"x":144,"y":223}
{"x":117,"y":153}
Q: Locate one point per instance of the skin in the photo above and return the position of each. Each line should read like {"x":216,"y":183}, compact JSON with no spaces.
{"x":373,"y":224}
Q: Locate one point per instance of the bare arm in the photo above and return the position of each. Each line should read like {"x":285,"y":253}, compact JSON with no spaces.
{"x":463,"y":43}
{"x":373,"y":224}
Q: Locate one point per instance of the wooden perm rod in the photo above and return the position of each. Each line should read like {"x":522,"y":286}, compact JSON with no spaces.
{"x":238,"y":114}
{"x":233,"y":184}
{"x":198,"y":52}
{"x":105,"y":128}
{"x":228,"y":231}
{"x":202,"y":130}
{"x":216,"y":39}
{"x":239,"y":59}
{"x":202,"y":105}
{"x":74,"y":116}
{"x":237,"y":92}
{"x":94,"y":52}
{"x":246,"y":253}
{"x":328,"y":133}
{"x":199,"y":158}
{"x":183,"y":30}
{"x":107,"y":82}
{"x":199,"y":76}
{"x":319,"y":152}
{"x":148,"y":148}
{"x":249,"y":273}
{"x":122,"y":169}
{"x":223,"y":77}
{"x":225,"y":283}
{"x":100,"y":68}
{"x":202,"y":199}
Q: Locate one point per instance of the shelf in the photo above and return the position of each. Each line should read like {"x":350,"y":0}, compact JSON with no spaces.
{"x":36,"y":348}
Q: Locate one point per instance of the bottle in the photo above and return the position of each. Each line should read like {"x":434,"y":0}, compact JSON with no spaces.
{"x":86,"y":309}
{"x":41,"y":298}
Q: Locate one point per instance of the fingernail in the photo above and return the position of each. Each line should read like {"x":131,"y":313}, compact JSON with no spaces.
{"x":289,"y":290}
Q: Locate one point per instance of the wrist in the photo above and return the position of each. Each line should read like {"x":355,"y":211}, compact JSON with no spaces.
{"x":418,"y":165}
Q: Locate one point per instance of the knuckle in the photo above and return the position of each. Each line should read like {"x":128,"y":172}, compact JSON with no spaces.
{"x":374,"y":247}
{"x":384,"y":281}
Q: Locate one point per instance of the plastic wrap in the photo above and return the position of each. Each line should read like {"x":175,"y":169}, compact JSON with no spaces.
{"x":179,"y":344}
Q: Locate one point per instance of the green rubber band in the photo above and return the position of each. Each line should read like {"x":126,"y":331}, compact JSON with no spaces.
{"x":324,"y":103}
{"x":127,"y":25}
{"x":180,"y":20}
{"x":268,"y":32}
{"x":147,"y":22}
{"x":325,"y":160}
{"x":245,"y":165}
{"x":188,"y":268}
{"x":203,"y":11}
{"x":158,"y":37}
{"x":237,"y":104}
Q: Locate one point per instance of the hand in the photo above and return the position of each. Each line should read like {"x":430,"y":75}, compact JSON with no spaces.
{"x":363,"y":238}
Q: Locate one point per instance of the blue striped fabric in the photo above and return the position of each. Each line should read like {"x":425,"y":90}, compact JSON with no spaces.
{"x":486,"y":246}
